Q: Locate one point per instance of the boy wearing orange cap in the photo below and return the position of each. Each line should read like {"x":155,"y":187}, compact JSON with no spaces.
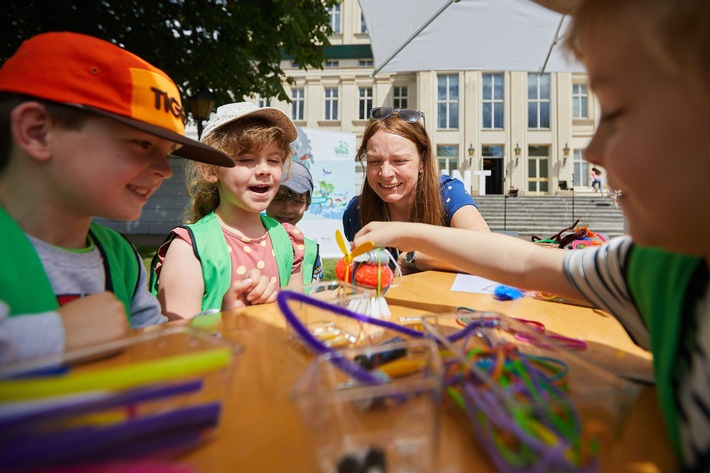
{"x":86,"y":129}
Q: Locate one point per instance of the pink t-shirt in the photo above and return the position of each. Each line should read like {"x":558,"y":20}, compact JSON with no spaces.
{"x":248,"y":253}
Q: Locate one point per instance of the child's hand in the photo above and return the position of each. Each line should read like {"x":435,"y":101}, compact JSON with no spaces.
{"x":93,"y":320}
{"x":253,"y":289}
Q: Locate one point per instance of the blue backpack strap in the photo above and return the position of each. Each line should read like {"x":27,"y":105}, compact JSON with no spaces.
{"x":309,"y":260}
{"x":283,"y":248}
{"x":24,"y":285}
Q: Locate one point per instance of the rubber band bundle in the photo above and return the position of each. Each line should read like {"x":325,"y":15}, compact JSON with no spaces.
{"x":533,"y":406}
{"x":576,"y":237}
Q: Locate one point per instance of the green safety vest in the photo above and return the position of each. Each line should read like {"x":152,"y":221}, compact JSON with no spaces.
{"x":211,"y":250}
{"x":662,"y":284}
{"x":24,"y":284}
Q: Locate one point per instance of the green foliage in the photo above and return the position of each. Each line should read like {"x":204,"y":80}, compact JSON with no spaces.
{"x":329,"y":269}
{"x":231,"y":47}
{"x":147,"y":252}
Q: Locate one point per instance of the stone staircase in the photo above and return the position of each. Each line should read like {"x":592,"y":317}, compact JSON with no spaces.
{"x":546,"y":215}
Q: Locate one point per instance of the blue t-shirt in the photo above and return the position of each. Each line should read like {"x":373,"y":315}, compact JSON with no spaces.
{"x":453,"y":193}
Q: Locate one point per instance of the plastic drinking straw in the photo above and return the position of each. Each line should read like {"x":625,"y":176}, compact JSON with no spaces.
{"x":79,"y":404}
{"x":70,"y":446}
{"x":138,"y":373}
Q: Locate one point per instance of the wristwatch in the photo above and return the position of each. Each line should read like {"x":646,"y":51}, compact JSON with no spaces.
{"x":409,"y":259}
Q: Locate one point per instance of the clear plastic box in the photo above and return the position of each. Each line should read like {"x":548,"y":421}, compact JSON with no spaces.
{"x":392,"y":425}
{"x":532,"y":404}
{"x":332,"y":329}
{"x":154,"y":394}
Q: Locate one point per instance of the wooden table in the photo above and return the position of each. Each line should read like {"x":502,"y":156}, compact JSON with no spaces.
{"x":609,"y":345}
{"x":261,"y":430}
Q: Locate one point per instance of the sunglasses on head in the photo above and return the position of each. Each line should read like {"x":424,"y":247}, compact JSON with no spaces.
{"x":406,"y":114}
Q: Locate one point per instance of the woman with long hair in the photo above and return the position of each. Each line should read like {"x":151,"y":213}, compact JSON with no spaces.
{"x":403,"y":184}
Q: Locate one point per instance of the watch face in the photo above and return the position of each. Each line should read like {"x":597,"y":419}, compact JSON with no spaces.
{"x":409,"y":258}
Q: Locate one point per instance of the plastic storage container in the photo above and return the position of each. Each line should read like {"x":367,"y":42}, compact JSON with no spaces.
{"x":332,"y":329}
{"x":533,"y":405}
{"x":150,"y":395}
{"x":391,"y":424}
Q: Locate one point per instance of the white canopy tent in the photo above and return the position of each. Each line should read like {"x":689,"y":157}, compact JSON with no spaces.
{"x":491,"y":35}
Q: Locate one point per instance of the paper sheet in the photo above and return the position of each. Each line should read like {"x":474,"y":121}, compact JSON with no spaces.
{"x":475,"y":284}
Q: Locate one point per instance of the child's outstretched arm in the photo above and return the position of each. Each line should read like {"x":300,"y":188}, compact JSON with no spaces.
{"x":253,"y":289}
{"x":495,"y":256}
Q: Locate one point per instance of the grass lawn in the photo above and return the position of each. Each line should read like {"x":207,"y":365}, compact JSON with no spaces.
{"x":147,"y":253}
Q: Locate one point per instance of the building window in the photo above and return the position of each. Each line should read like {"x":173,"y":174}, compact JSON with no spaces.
{"x":262,"y":102}
{"x":331,"y":63}
{"x":448,"y":156}
{"x":331,"y":103}
{"x":297,"y":103}
{"x":400,"y":95}
{"x":538,"y":100}
{"x":366,"y":63}
{"x":580,"y":100}
{"x":493,"y":101}
{"x":538,"y":169}
{"x":363,"y":25}
{"x":364,"y":103}
{"x":334,"y":13}
{"x":581,"y":169}
{"x":447,"y":101}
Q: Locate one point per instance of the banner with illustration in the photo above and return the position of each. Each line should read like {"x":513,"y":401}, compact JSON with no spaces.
{"x":330,"y":157}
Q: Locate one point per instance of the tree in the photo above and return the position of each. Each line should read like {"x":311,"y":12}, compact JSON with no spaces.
{"x":231,"y":47}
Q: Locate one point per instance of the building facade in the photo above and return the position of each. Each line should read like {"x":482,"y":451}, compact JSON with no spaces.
{"x":528,"y":130}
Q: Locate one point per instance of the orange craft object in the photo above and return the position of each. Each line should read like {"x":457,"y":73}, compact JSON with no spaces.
{"x":366,"y":274}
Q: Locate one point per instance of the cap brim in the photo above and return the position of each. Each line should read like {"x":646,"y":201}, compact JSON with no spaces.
{"x":270,"y":114}
{"x":190,"y":149}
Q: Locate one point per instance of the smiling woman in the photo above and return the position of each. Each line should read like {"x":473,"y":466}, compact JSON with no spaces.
{"x":403,"y":183}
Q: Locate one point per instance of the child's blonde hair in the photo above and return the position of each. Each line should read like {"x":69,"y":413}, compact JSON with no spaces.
{"x":676,"y":33}
{"x":235,"y":138}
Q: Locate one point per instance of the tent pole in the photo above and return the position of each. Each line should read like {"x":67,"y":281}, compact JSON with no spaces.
{"x":554,"y":43}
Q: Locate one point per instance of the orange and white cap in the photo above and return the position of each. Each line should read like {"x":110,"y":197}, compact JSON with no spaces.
{"x":92,"y":74}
